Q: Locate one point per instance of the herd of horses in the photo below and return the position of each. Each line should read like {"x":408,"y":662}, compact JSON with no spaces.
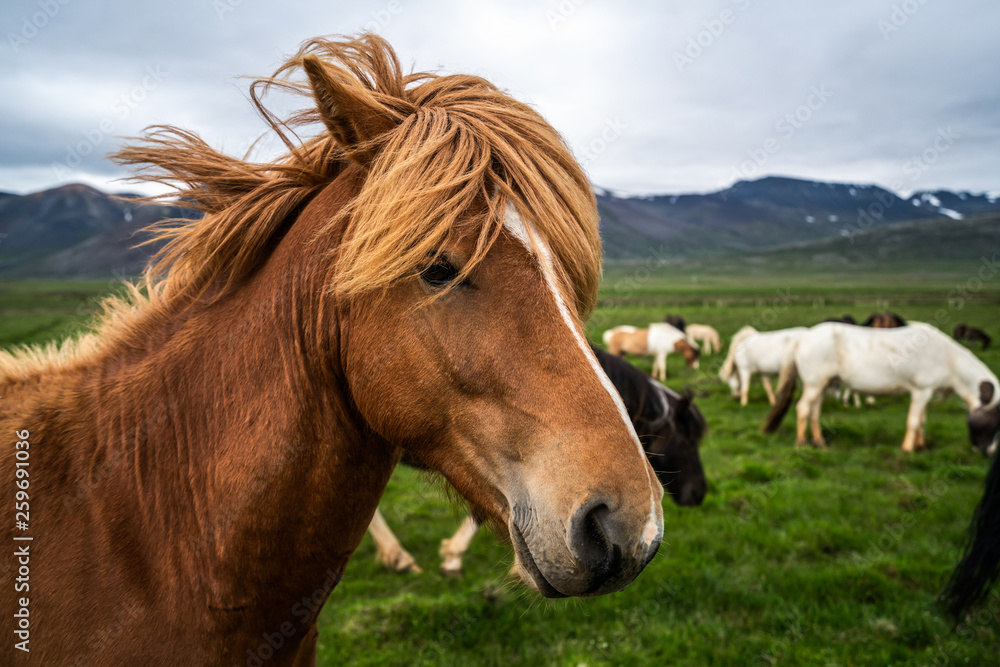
{"x":412,"y":279}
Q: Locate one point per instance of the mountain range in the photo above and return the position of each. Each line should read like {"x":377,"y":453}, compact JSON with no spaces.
{"x":78,"y":231}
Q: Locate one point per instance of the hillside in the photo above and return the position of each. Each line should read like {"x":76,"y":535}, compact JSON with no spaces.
{"x":763,"y":213}
{"x":941,"y":243}
{"x":76,"y":231}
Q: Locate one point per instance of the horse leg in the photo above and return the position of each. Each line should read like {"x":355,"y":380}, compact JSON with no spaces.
{"x":388,"y":550}
{"x":766,"y":381}
{"x":744,"y":386}
{"x":453,"y":549}
{"x":817,"y":431}
{"x":801,"y":420}
{"x":807,"y":410}
{"x":660,"y":366}
{"x":915,"y":419}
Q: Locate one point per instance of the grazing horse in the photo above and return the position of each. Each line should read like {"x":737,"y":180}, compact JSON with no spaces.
{"x":979,"y":568}
{"x":964,"y":332}
{"x":658,"y":340}
{"x":752,"y":351}
{"x":669,"y":425}
{"x":412,"y":277}
{"x":917,"y":359}
{"x":676,"y":321}
{"x":885,"y":320}
{"x":706,"y":335}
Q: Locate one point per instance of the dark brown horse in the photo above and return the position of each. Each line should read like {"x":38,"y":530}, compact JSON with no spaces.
{"x":676,"y":321}
{"x":886,"y":320}
{"x":414,"y":276}
{"x":965,"y":333}
{"x":669,"y":425}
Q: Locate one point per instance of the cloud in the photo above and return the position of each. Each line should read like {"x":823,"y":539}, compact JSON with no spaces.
{"x":694,"y":91}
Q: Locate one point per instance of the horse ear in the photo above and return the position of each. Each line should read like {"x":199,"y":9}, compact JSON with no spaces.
{"x":985,"y":392}
{"x":348,"y":110}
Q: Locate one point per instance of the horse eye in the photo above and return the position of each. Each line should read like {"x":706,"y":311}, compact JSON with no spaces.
{"x":439,"y":274}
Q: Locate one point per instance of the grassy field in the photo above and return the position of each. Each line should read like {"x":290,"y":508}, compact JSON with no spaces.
{"x":796,"y":557}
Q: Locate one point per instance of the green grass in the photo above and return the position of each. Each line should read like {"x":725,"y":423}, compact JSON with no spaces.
{"x":796,"y":556}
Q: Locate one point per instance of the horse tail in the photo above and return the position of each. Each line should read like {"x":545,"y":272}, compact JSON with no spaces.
{"x":786,"y":390}
{"x":726,"y":371}
{"x":979,"y":568}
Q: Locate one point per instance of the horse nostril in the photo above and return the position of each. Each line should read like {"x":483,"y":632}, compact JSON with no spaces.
{"x":589,"y":539}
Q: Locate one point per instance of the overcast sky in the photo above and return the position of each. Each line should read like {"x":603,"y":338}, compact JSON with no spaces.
{"x":654,"y":97}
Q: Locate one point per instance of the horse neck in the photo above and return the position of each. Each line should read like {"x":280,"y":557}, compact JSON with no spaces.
{"x":968,"y":371}
{"x":247,"y":437}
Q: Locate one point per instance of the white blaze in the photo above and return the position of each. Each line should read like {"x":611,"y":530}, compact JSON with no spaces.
{"x":514,"y":224}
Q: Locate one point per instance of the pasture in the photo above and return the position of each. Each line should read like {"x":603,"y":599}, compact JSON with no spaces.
{"x":795,"y":557}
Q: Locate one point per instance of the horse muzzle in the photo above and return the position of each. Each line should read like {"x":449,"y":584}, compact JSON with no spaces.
{"x":598,"y":550}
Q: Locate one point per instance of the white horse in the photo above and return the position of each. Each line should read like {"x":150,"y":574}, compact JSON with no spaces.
{"x":707,"y":336}
{"x":658,"y":340}
{"x":752,"y":351}
{"x":916,"y":359}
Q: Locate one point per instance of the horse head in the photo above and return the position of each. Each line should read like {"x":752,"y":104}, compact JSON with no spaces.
{"x":675,"y":449}
{"x":469,"y":262}
{"x":984,"y":421}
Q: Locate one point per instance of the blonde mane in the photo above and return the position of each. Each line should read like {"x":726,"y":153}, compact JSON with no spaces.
{"x":434,"y":149}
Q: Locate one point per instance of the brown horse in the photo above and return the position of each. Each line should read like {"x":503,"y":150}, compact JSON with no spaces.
{"x":414,"y":276}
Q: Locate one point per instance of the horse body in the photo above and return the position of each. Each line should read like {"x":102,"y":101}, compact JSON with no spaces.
{"x":669,"y":425}
{"x":706,"y":335}
{"x":150,"y":494}
{"x":753,"y":351}
{"x":203,"y":467}
{"x":659,"y":340}
{"x":916,"y":359}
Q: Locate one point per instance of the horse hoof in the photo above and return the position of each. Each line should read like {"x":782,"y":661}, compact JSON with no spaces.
{"x":452,"y":573}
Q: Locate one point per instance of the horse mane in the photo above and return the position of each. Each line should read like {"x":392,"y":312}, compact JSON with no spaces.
{"x":433,"y":150}
{"x":440,"y":147}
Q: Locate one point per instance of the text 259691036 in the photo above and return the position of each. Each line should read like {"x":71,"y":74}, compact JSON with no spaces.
{"x":22,"y":549}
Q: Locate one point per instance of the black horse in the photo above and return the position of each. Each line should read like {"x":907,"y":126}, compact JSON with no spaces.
{"x":669,"y":425}
{"x":965,"y":333}
{"x":980,"y":565}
